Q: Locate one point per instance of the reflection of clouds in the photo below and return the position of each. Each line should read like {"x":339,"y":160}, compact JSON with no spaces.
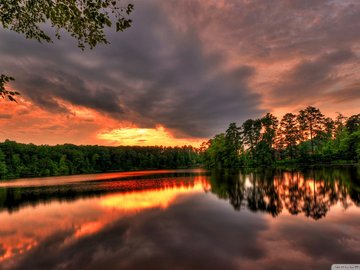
{"x":157,"y":228}
{"x":203,"y":237}
{"x":199,"y":232}
{"x":315,"y":245}
{"x":88,"y":228}
{"x":22,"y":231}
{"x":150,"y":198}
{"x":69,"y":179}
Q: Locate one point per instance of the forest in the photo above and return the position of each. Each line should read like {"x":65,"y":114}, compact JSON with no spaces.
{"x":308,"y":137}
{"x":305,"y":138}
{"x":29,"y":160}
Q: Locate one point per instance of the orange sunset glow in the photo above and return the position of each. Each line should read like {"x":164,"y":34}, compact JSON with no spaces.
{"x":207,"y":73}
{"x":162,"y":198}
{"x":105,"y":210}
{"x":146,"y":137}
{"x":28,"y":123}
{"x":187,"y":134}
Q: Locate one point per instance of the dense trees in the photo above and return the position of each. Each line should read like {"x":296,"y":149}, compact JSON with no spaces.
{"x":24,"y":160}
{"x":232,"y":146}
{"x":311,"y":123}
{"x":288,"y":135}
{"x":308,"y":137}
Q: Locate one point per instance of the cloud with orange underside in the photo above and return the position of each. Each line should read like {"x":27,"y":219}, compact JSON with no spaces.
{"x":26,"y":122}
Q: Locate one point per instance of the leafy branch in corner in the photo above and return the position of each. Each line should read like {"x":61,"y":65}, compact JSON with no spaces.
{"x":4,"y":93}
{"x":84,"y":20}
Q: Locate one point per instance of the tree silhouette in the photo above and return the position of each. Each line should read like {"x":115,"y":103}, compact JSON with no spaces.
{"x":233,"y":145}
{"x":289,"y":134}
{"x":311,"y":122}
{"x":250,"y":132}
{"x":4,"y":93}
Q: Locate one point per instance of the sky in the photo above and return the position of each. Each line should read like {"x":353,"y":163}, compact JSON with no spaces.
{"x":184,"y":71}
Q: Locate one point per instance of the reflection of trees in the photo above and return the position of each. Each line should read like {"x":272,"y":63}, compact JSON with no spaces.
{"x":293,"y":195}
{"x":14,"y":198}
{"x":354,"y":190}
{"x":262,"y":195}
{"x":311,"y":192}
{"x":315,"y":201}
{"x":229,"y":185}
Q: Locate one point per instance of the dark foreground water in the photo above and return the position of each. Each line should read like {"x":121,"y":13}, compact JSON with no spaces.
{"x":182,"y":220}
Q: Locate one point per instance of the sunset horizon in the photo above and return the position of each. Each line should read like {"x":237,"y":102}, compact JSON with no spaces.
{"x":179,"y":134}
{"x":182,"y":72}
{"x":122,"y":136}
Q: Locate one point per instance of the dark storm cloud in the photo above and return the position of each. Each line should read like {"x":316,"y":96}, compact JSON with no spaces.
{"x":266,"y":31}
{"x":152,"y":74}
{"x":317,"y":27}
{"x":308,"y":32}
{"x":70,"y":88}
{"x":312,"y":77}
{"x":175,"y":66}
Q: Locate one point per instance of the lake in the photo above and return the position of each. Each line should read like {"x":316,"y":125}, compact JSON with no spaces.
{"x":182,"y":219}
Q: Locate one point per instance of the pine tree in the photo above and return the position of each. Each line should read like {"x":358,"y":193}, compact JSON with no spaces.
{"x":311,"y":122}
{"x":232,"y":144}
{"x":289,"y":133}
{"x":3,"y":169}
{"x":250,"y":134}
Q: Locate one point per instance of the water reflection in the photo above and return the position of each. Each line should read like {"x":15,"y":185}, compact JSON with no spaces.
{"x":25,"y":192}
{"x":176,"y":219}
{"x":24,"y":230}
{"x":311,"y":192}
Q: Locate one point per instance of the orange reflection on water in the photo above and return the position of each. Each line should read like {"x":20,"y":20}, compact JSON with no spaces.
{"x":137,"y":201}
{"x":70,"y":179}
{"x":23,"y":230}
{"x":89,"y":228}
{"x":303,"y":193}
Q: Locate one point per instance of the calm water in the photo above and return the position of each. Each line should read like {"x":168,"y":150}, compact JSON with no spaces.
{"x":189,"y":219}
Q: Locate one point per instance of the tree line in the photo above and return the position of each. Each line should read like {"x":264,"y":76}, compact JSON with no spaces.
{"x":29,"y":160}
{"x":303,"y":138}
